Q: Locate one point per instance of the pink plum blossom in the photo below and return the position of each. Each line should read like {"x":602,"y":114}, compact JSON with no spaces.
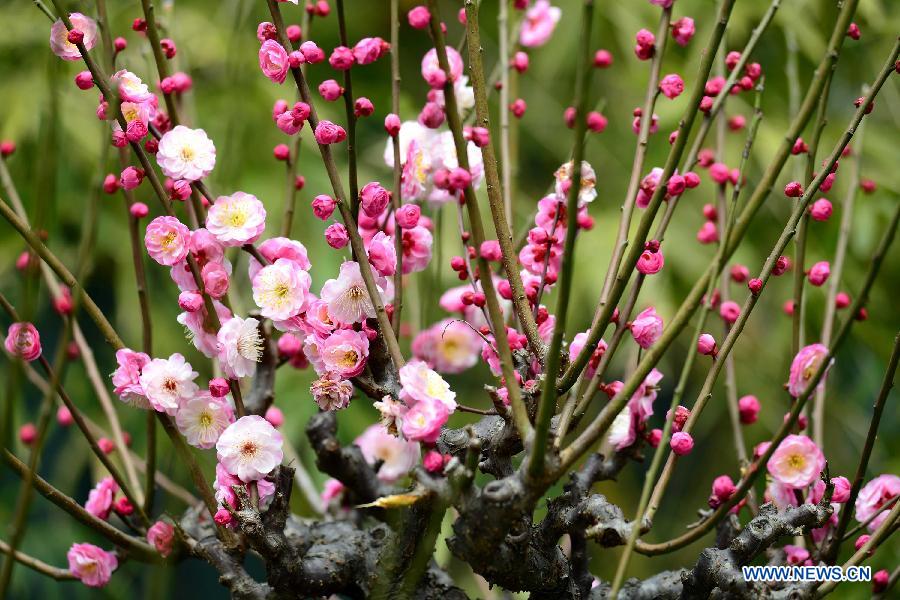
{"x":240,"y":347}
{"x":396,"y":456}
{"x":273,"y":61}
{"x":875,"y":494}
{"x":162,"y":536}
{"x":167,"y":240}
{"x":796,"y":462}
{"x":422,"y":422}
{"x":126,"y":378}
{"x":60,"y":43}
{"x":331,"y":392}
{"x":416,"y":243}
{"x":538,"y":24}
{"x":646,"y":328}
{"x":422,"y":384}
{"x":431,"y":68}
{"x":382,"y":254}
{"x":100,"y":499}
{"x":279,"y":247}
{"x":804,"y":367}
{"x":345,"y":352}
{"x":448,"y":346}
{"x":92,"y":565}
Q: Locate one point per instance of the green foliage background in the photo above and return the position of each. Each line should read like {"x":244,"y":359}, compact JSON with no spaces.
{"x":57,"y":169}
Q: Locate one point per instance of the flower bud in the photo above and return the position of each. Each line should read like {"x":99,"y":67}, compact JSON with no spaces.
{"x":392,"y":124}
{"x":602,"y":59}
{"x":139,"y":210}
{"x":519,"y":62}
{"x":84,"y":80}
{"x":219,"y":387}
{"x":518,"y":107}
{"x":106,"y":445}
{"x":64,"y":416}
{"x":190,"y":301}
{"x":363,"y":107}
{"x":336,"y":236}
{"x":841,"y":300}
{"x":748,"y":408}
{"x":706,"y":344}
{"x":418,"y":17}
{"x":821,"y":210}
{"x":407,"y":216}
{"x":215,"y":279}
{"x":596,"y":122}
{"x":432,"y":115}
{"x":323,"y":206}
{"x":373,"y":199}
{"x":274,"y":416}
{"x":681,"y":443}
{"x":819,"y":272}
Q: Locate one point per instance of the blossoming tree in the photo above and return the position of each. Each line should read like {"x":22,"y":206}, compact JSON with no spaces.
{"x":516,"y":482}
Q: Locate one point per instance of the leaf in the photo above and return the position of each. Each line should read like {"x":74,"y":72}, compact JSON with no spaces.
{"x":393,"y":501}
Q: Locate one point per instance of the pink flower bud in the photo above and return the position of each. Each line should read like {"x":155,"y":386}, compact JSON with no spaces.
{"x":23,"y":341}
{"x":748,"y":407}
{"x":120,"y":44}
{"x":336,"y":236}
{"x":363,"y":107}
{"x":645,"y":43}
{"x":281,"y":152}
{"x":602,"y":59}
{"x":519,"y":62}
{"x":131,"y":178}
{"x":821,"y":210}
{"x":63,"y":303}
{"x":681,"y":443}
{"x":84,"y":80}
{"x":841,"y":490}
{"x":708,"y":234}
{"x":691,"y":180}
{"x":650,"y":263}
{"x":827,"y":183}
{"x":793,"y":189}
{"x":683,"y":30}
{"x":782,"y":265}
{"x":881,"y":578}
{"x":295,"y":59}
{"x":330,"y":90}
{"x":861,"y":541}
{"x":596,"y":122}
{"x":190,"y":301}
{"x":7,"y":147}
{"x":329,"y":133}
{"x":518,"y":107}
{"x":730,"y":311}
{"x":819,"y":272}
{"x":219,"y":387}
{"x":654,"y":437}
{"x":106,"y":445}
{"x":490,"y":250}
{"x":722,"y":489}
{"x":676,"y":185}
{"x":64,"y":416}
{"x":459,"y":179}
{"x":418,"y":17}
{"x":392,"y":124}
{"x":481,"y":137}
{"x":373,"y":199}
{"x":28,"y":434}
{"x":867,"y":185}
{"x":853,"y":31}
{"x":706,"y":344}
{"x":671,"y":86}
{"x":841,"y":300}
{"x":432,"y":115}
{"x":266,"y":31}
{"x":433,"y":461}
{"x":294,"y":33}
{"x":222,"y":517}
{"x":739,"y":273}
{"x":139,"y":210}
{"x":275,"y":416}
{"x":312,"y":52}
{"x":168,"y":47}
{"x":323,"y":206}
{"x":799,"y":147}
{"x":278,"y":108}
{"x":341,"y":58}
{"x":215,"y":279}
{"x":75,"y":36}
{"x":407,"y":216}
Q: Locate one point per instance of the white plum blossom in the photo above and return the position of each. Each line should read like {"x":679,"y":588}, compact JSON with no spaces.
{"x":250,"y":448}
{"x":186,"y":153}
{"x":240,"y":347}
{"x":202,"y":419}
{"x":281,"y":290}
{"x":347,"y":298}
{"x":168,"y":382}
{"x":237,"y":219}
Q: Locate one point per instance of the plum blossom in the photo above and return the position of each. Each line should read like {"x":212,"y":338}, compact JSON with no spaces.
{"x":382,"y":253}
{"x":421,"y":384}
{"x":273,"y":61}
{"x":93,"y":566}
{"x":576,"y":347}
{"x":186,"y":153}
{"x":161,"y":535}
{"x":250,"y":448}
{"x":416,"y":243}
{"x":396,"y":456}
{"x":796,"y":462}
{"x":422,"y":422}
{"x":345,"y":352}
{"x":873,"y":496}
{"x":804,"y":367}
{"x":240,"y":347}
{"x":432,"y":72}
{"x":331,"y":392}
{"x":281,"y":290}
{"x":588,"y":190}
{"x":646,"y":328}
{"x":59,"y":40}
{"x":126,"y":377}
{"x":131,"y":88}
{"x":448,"y":346}
{"x":624,"y":430}
{"x":538,"y":25}
{"x":202,"y":419}
{"x":167,"y":240}
{"x":347,"y":299}
{"x":194,"y":326}
{"x":279,"y":247}
{"x":168,"y":383}
{"x":100,"y":499}
{"x":237,"y":219}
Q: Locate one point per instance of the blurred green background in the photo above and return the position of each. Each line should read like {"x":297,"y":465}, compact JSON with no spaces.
{"x":57,"y":169}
